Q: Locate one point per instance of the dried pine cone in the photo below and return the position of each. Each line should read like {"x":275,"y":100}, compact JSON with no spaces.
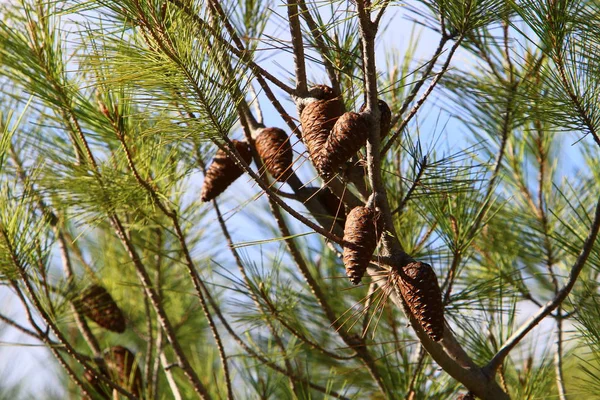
{"x":123,"y":367}
{"x":317,"y":118}
{"x":385,"y":117}
{"x":224,"y":171}
{"x":273,"y":146}
{"x":321,"y":92}
{"x":360,"y":240}
{"x":332,"y":204}
{"x":421,"y":292}
{"x":349,"y":134}
{"x":98,"y":305}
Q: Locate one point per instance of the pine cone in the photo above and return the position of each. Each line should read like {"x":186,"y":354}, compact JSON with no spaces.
{"x":98,"y":305}
{"x":322,"y":92}
{"x":385,"y":117}
{"x":224,"y":171}
{"x":361,"y":235}
{"x":421,"y":292}
{"x":349,"y":134}
{"x":332,"y":204}
{"x":317,"y":119}
{"x":273,"y":146}
{"x":123,"y":367}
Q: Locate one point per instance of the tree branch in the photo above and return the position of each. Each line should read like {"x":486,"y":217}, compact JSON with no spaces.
{"x":551,"y":305}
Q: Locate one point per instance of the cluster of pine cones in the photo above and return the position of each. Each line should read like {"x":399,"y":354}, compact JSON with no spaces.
{"x":332,"y":137}
{"x":119,"y":363}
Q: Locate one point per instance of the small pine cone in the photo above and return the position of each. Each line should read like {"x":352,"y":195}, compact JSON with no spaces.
{"x":332,"y":204}
{"x":421,"y":292}
{"x":123,"y":367}
{"x":361,"y":235}
{"x":224,"y":171}
{"x":318,"y":118}
{"x":349,"y":134}
{"x":98,"y":305}
{"x":273,"y":146}
{"x":385,"y":117}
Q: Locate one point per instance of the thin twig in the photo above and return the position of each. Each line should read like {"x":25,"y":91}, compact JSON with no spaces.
{"x":168,"y":372}
{"x":259,"y":77}
{"x":317,"y":34}
{"x":53,"y":220}
{"x":558,"y":358}
{"x":241,"y":53}
{"x":242,"y":269}
{"x":424,"y":97}
{"x":381,"y":12}
{"x":424,"y":76}
{"x":298,"y":47}
{"x":263,"y":359}
{"x":198,"y":284}
{"x":551,"y":305}
{"x":413,"y":186}
{"x":412,"y":392}
{"x":355,"y":343}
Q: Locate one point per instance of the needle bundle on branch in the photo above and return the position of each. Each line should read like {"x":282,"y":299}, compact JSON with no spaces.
{"x":224,"y":171}
{"x":361,"y":235}
{"x":274,"y":148}
{"x":421,"y":292}
{"x":98,"y":305}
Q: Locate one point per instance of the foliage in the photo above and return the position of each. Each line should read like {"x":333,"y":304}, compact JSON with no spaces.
{"x":111,"y":112}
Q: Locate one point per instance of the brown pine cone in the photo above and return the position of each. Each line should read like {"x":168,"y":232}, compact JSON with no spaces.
{"x":421,"y":292}
{"x":332,"y":204}
{"x":123,"y":367}
{"x":98,"y":305}
{"x":273,"y":146}
{"x":322,"y":92}
{"x":349,"y":134}
{"x":385,"y":117}
{"x":361,"y":235}
{"x":224,"y":171}
{"x":317,"y":119}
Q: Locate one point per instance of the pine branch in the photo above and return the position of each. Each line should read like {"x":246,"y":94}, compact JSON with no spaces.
{"x":91,"y":340}
{"x":551,"y":305}
{"x":298,"y":47}
{"x":317,"y":35}
{"x":424,"y":97}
